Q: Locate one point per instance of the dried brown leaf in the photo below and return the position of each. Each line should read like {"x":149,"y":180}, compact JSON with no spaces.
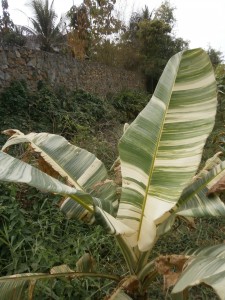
{"x":128,"y":284}
{"x":11,"y":132}
{"x":47,"y":168}
{"x":86,"y":263}
{"x":118,"y":175}
{"x":170,"y":266}
{"x":99,"y":184}
{"x":131,"y":284}
{"x":218,"y":187}
{"x":61,"y":269}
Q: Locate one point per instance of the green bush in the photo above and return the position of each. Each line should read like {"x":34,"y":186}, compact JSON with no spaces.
{"x":13,"y":38}
{"x":129,"y":104}
{"x":84,"y":119}
{"x":15,"y":97}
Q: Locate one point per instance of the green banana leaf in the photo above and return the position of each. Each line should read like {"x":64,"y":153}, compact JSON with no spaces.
{"x":161,"y":150}
{"x":80,"y":168}
{"x":207,"y":265}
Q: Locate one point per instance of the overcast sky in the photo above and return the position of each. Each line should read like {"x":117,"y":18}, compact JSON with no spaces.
{"x":199,"y":21}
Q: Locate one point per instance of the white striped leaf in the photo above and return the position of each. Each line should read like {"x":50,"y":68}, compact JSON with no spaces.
{"x":111,"y":224}
{"x":161,"y":150}
{"x":80,"y":168}
{"x":15,"y":286}
{"x":73,"y":210}
{"x":209,"y":165}
{"x":194,"y":201}
{"x":15,"y":170}
{"x":166,"y":226}
{"x":206,"y":265}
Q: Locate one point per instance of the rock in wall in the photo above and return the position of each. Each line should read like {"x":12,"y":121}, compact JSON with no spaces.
{"x":60,"y":70}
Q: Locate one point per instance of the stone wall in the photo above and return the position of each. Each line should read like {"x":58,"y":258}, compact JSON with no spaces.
{"x":60,"y":70}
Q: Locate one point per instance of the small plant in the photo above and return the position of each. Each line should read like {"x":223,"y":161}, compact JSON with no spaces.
{"x":159,"y":155}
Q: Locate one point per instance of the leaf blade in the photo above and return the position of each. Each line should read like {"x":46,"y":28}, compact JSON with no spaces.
{"x":206,"y":265}
{"x":169,"y":133}
{"x":14,"y":170}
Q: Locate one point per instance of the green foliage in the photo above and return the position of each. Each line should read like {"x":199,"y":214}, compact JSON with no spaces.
{"x":216,"y":56}
{"x":47,"y":33}
{"x":83,"y":118}
{"x":16,"y":96}
{"x":216,"y":139}
{"x":149,"y":42}
{"x":13,"y":38}
{"x":9,"y":34}
{"x":165,"y":13}
{"x":48,"y":109}
{"x":128,"y":104}
{"x":6,"y":23}
{"x":91,"y":24}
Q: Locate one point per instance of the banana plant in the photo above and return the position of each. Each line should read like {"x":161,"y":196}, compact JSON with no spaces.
{"x":159,"y":156}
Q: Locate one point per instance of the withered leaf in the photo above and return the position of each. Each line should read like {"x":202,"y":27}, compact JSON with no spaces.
{"x":86,"y":263}
{"x":46,"y":167}
{"x":170,"y":266}
{"x":11,"y":132}
{"x":118,"y":175}
{"x":99,"y":184}
{"x":217,"y":187}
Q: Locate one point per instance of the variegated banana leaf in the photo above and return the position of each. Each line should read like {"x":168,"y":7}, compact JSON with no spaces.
{"x":207,"y":265}
{"x":195,"y":201}
{"x":15,"y":170}
{"x":80,"y":168}
{"x":195,"y":197}
{"x":15,"y":286}
{"x":161,"y":150}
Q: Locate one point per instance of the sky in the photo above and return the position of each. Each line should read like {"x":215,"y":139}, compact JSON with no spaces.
{"x":199,"y":21}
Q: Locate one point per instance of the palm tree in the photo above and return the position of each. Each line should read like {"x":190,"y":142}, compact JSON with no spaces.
{"x":45,"y":29}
